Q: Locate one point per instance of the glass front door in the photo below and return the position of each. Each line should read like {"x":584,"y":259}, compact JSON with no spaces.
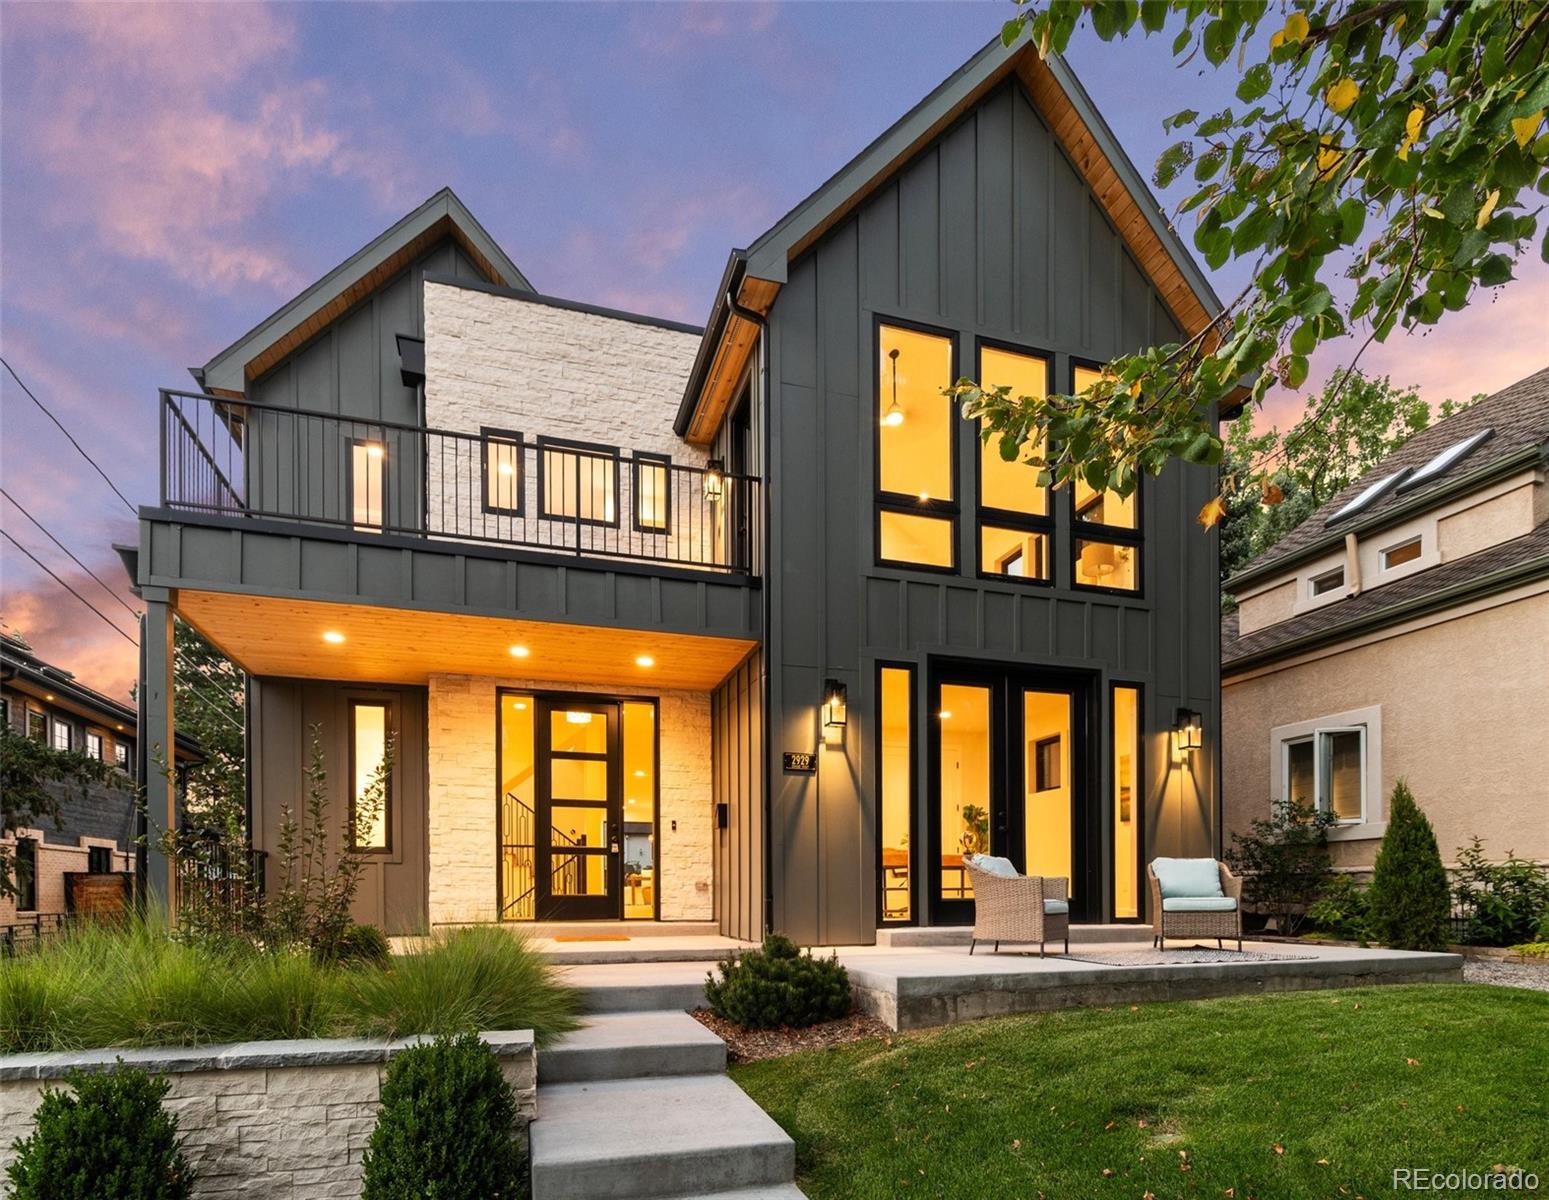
{"x":578,"y":814}
{"x":1007,"y":775}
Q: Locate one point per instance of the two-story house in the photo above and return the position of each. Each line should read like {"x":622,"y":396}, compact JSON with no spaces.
{"x":737,"y":624}
{"x":1402,"y":631}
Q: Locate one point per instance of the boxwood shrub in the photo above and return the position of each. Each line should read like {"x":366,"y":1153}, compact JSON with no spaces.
{"x":779,"y":985}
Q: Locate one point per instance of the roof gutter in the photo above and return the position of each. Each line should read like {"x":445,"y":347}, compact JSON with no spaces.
{"x":1526,"y":457}
{"x":715,"y":328}
{"x":1469,"y":589}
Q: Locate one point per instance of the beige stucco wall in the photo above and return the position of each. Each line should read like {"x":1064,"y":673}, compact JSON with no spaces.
{"x":462,"y":786}
{"x":1464,"y":719}
{"x":1488,"y":523}
{"x":1268,"y":607}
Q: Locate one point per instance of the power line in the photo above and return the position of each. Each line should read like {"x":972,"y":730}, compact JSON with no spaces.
{"x":68,"y":434}
{"x":127,"y":608}
{"x":44,"y":567}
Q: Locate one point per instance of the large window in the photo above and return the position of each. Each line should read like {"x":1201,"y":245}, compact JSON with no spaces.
{"x":1105,"y":527}
{"x":502,"y":471}
{"x":638,"y":721}
{"x":578,"y":481}
{"x":1016,"y":529}
{"x":1126,"y":802}
{"x":895,"y":778}
{"x":916,"y":501}
{"x":368,"y":483}
{"x":370,"y":776}
{"x":1326,"y":770}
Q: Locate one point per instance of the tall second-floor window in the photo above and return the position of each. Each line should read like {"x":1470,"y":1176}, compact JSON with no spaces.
{"x":578,"y":481}
{"x":1016,"y":528}
{"x":916,"y":500}
{"x":502,"y":472}
{"x":94,"y":745}
{"x":1105,"y":528}
{"x":121,"y":756}
{"x":368,"y":483}
{"x":59,"y":735}
{"x":37,"y":725}
{"x":652,"y":481}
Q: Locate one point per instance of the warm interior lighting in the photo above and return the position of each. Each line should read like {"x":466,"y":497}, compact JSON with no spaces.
{"x":520,"y":651}
{"x":521,"y":706}
{"x":644,"y":660}
{"x":374,"y":450}
{"x":638,"y":775}
{"x":49,"y":696}
{"x":894,"y":414}
{"x":925,"y":497}
{"x":507,"y":469}
{"x":946,"y":715}
{"x":579,"y":718}
{"x":834,"y":704}
{"x":1188,"y":730}
{"x":333,"y":637}
{"x":714,"y":484}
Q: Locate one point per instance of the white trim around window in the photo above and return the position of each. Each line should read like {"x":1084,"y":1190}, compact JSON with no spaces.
{"x":1318,"y":753}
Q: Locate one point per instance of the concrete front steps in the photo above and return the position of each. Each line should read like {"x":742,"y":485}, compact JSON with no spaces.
{"x":636,"y":1104}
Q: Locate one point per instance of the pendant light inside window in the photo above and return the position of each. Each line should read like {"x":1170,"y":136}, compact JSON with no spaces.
{"x":894,"y":414}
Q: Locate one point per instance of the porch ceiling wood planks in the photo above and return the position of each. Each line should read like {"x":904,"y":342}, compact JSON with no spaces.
{"x":283,"y":637}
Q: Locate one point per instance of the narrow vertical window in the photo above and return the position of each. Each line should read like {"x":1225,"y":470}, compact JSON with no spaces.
{"x":1126,"y":802}
{"x":37,"y":725}
{"x":121,"y":756}
{"x":370,"y":782}
{"x":1342,"y":774}
{"x":518,"y":818}
{"x":653,"y":492}
{"x":1106,"y":538}
{"x":60,"y":738}
{"x":368,"y":490}
{"x":639,"y":767}
{"x":1016,"y":528}
{"x":916,"y":500}
{"x":502,"y":472}
{"x":895,"y":773}
{"x":26,"y":874}
{"x":967,"y":766}
{"x":1300,"y":789}
{"x":94,"y":745}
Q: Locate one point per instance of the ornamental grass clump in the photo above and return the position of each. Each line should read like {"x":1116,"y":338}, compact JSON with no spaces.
{"x":777,"y":986}
{"x":1409,"y":901}
{"x":445,"y":1128}
{"x":109,"y":1140}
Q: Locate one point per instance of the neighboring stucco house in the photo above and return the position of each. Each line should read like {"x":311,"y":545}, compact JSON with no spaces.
{"x":734,"y":624}
{"x":1402,"y":631}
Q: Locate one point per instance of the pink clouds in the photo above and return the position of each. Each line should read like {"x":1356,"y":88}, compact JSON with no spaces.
{"x":63,"y":631}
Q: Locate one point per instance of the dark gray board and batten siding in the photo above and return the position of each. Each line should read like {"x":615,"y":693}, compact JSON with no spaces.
{"x":989,"y":231}
{"x":738,"y":754}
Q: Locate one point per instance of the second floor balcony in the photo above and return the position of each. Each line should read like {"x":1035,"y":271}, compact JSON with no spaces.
{"x":517,"y":488}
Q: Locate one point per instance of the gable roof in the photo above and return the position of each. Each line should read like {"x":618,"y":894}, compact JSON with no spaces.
{"x":1518,"y":417}
{"x":442,"y":216}
{"x":1076,"y":124}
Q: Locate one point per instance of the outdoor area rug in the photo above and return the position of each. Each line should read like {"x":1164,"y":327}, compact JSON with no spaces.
{"x":1162,"y":958}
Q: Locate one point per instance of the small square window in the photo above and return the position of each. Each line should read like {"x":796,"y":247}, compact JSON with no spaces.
{"x":1327,"y":582}
{"x":1404,"y":552}
{"x":1111,"y":565}
{"x":99,"y":859}
{"x":1019,"y":553}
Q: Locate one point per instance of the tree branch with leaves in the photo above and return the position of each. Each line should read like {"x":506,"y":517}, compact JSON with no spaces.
{"x":1390,"y":161}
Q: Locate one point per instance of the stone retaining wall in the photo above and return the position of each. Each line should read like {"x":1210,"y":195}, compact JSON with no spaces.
{"x":285,"y":1120}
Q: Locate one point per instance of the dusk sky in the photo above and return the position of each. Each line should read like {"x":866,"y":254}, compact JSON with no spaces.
{"x":173,"y":173}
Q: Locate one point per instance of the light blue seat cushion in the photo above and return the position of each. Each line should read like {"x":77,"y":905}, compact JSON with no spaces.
{"x":1056,"y":906}
{"x":1198,"y":904}
{"x":990,"y":865}
{"x":1187,"y":877}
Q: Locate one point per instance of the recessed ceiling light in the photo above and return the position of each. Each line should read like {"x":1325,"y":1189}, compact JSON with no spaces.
{"x":579,"y":718}
{"x":644,"y":660}
{"x":333,"y":637}
{"x":520,"y":651}
{"x":49,"y":696}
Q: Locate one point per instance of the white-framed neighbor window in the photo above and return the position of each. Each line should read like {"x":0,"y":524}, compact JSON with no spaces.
{"x":1329,"y":581}
{"x":1333,"y":764}
{"x":59,"y":734}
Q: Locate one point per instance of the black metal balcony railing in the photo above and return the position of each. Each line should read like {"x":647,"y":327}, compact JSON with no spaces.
{"x":240,"y":458}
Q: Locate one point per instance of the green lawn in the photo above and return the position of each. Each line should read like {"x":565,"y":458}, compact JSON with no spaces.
{"x":1318,"y":1094}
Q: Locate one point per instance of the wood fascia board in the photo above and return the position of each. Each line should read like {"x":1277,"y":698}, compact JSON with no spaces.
{"x":730,"y":362}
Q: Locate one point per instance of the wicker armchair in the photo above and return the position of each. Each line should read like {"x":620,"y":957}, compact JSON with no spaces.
{"x":1017,"y":909}
{"x":1218,"y":923}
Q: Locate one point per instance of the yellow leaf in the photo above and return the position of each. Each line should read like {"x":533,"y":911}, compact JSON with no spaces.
{"x":1343,"y":94}
{"x":1412,"y":128}
{"x":1486,"y":209}
{"x":1295,"y":27}
{"x":1329,"y":156}
{"x":1399,"y":23}
{"x":1214,"y":510}
{"x":1433,"y":212}
{"x":1525,"y":127}
{"x":1277,"y":39}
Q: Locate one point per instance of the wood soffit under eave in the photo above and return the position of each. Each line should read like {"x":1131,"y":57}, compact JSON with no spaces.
{"x":364,"y":286}
{"x":730,"y":362}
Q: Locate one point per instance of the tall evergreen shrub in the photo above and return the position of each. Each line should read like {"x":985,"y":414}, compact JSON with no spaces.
{"x":1410,"y":900}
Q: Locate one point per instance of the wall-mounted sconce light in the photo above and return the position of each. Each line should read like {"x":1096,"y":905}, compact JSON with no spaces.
{"x":1188,"y":730}
{"x":834,"y":699}
{"x":714,"y":482}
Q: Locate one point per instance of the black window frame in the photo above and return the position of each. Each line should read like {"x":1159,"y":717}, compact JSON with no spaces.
{"x":490,"y":435}
{"x":1002,"y":518}
{"x":585,"y":449}
{"x":121,"y":755}
{"x":94,"y":751}
{"x":349,"y":483}
{"x":1082,"y":530}
{"x":26,"y":871}
{"x":1137,"y":801}
{"x":37,"y":725}
{"x":664,"y":461}
{"x":99,"y":860}
{"x":915,"y":726}
{"x":389,"y":728}
{"x":899,"y":502}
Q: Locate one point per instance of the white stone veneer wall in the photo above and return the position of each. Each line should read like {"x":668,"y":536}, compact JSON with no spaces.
{"x":463,"y":764}
{"x":285,"y":1120}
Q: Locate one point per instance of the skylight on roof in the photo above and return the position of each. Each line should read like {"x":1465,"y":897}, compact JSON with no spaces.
{"x":1369,"y":496}
{"x":1447,"y":459}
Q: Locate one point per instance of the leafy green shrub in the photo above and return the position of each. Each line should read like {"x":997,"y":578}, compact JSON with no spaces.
{"x":363,"y":944}
{"x":444,"y":1130}
{"x":111,"y":1140}
{"x":779,"y":986}
{"x":1343,"y":910}
{"x":482,"y":977}
{"x":1508,"y":902}
{"x":1410,"y":900}
{"x":1283,"y":862}
{"x":1533,"y":949}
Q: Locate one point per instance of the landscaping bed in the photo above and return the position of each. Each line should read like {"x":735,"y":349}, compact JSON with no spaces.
{"x":1288,"y":1096}
{"x":751,"y":1045}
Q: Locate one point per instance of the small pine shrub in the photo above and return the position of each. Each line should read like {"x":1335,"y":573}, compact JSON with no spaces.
{"x":363,"y":944}
{"x":445,"y":1127}
{"x":1343,"y":910}
{"x":110,"y":1140}
{"x":779,"y":986}
{"x":1410,"y":900}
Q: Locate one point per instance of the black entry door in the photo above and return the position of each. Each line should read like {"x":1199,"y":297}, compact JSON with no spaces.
{"x":579,"y":810}
{"x":1008,"y":772}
